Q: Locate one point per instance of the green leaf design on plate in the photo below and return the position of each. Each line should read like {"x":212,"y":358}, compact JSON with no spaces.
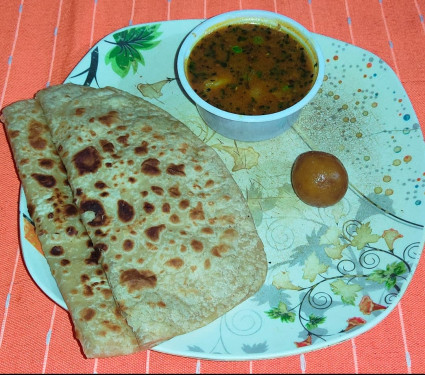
{"x":128,"y":46}
{"x":364,"y":236}
{"x":281,"y":312}
{"x":314,"y":321}
{"x":348,"y":292}
{"x":389,"y":275}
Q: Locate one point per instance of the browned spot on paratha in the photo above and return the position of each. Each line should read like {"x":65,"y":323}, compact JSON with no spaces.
{"x":80,"y":111}
{"x":107,"y":146}
{"x":150,"y":167}
{"x":100,"y":233}
{"x":219,"y":249}
{"x":111,"y":327}
{"x":228,"y":219}
{"x":148,"y":207}
{"x":174,"y":191}
{"x":87,"y":160}
{"x":153,"y":232}
{"x":151,"y":246}
{"x":184,"y":204}
{"x":71,"y":231}
{"x":159,"y":136}
{"x":142,"y":149}
{"x":128,"y":245}
{"x":109,"y":118}
{"x":176,"y":170}
{"x":197,"y":246}
{"x":157,"y":190}
{"x":175,"y":263}
{"x":125,"y":211}
{"x":197,"y":213}
{"x":107,"y":293}
{"x":175,"y":219}
{"x":138,"y":280}
{"x":229,"y":234}
{"x":35,"y":136}
{"x":87,"y":314}
{"x":100,"y":185}
{"x":95,"y":206}
{"x":88,"y":291}
{"x":57,"y":251}
{"x":166,"y":208}
{"x":70,"y":210}
{"x":94,"y":257}
{"x":209,"y":183}
{"x":183,"y":148}
{"x":14,"y":133}
{"x":45,"y":180}
{"x":46,"y":163}
{"x":123,"y":139}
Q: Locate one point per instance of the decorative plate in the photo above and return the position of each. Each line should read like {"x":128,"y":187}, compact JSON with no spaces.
{"x":334,"y":272}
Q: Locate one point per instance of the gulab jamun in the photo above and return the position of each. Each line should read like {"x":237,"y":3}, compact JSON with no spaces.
{"x":319,"y":179}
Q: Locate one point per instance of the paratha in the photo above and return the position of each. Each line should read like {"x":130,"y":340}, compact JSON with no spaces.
{"x":98,"y":324}
{"x":176,"y":237}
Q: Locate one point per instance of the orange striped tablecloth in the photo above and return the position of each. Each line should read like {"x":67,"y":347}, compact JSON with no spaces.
{"x":43,"y":40}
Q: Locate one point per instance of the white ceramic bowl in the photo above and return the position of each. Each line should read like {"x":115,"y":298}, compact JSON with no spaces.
{"x":246,"y":127}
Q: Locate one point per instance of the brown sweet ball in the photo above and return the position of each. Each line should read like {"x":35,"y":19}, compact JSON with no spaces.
{"x":319,"y":178}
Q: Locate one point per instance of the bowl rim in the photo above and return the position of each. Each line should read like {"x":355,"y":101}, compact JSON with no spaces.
{"x":209,"y":25}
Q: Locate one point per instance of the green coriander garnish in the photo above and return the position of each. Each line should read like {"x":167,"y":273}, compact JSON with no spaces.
{"x":258,"y":39}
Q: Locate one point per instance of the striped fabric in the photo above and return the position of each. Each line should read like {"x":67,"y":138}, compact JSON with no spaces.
{"x":43,"y":40}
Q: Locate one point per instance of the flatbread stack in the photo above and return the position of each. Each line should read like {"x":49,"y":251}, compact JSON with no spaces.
{"x":98,"y":324}
{"x":146,"y":232}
